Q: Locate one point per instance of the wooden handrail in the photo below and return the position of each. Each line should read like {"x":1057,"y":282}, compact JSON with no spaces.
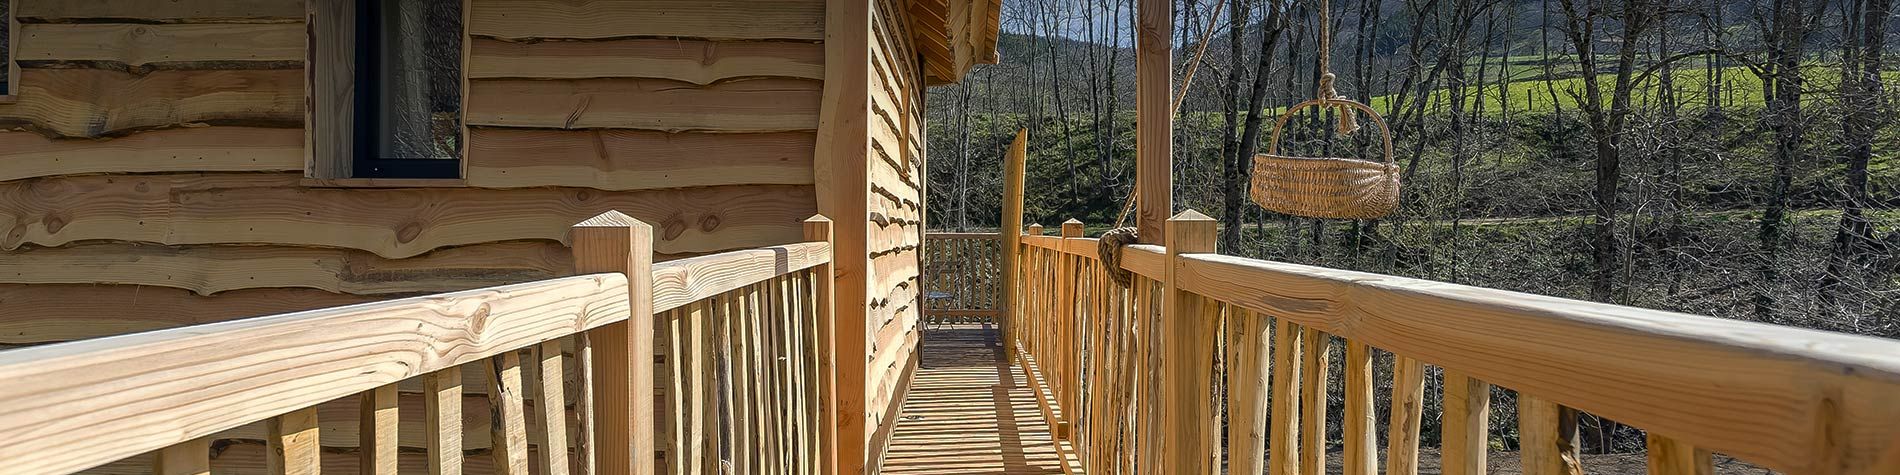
{"x":960,"y":235}
{"x":683,"y":281}
{"x":73,"y":406}
{"x":1789,"y":399}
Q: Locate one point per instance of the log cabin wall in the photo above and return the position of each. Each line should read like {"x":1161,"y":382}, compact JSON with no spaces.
{"x":151,"y":170}
{"x":896,"y":215}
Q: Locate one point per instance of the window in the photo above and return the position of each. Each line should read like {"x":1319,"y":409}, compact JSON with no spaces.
{"x":387,"y":89}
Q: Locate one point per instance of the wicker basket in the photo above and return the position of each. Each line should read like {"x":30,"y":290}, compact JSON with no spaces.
{"x":1341,"y":188}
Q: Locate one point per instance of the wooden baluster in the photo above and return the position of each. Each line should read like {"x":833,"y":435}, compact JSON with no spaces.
{"x":1192,"y":324}
{"x":1547,"y":434}
{"x":745,"y":397}
{"x":442,"y":412}
{"x":508,"y":429}
{"x":1315,"y":357}
{"x":377,"y":430}
{"x":1673,"y":457}
{"x":552,"y":402}
{"x":618,"y":401}
{"x":1072,"y":311}
{"x":1361,"y":446}
{"x":1285,"y":440}
{"x":191,"y":457}
{"x":293,"y":445}
{"x":724,"y":317}
{"x":1408,"y":408}
{"x":1466,"y":423}
{"x":679,"y":384}
{"x":1247,"y":379}
{"x":704,"y":432}
{"x":818,"y":228}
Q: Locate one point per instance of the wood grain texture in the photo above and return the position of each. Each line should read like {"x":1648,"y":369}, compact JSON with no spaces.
{"x":1547,"y":435}
{"x":1249,"y":369}
{"x":1743,"y":389}
{"x":610,"y":159}
{"x":210,"y":269}
{"x":293,"y":444}
{"x":378,"y":428}
{"x":753,"y":105}
{"x":208,"y":149}
{"x":840,"y":166}
{"x":694,"y":61}
{"x":679,"y":282}
{"x":170,"y":11}
{"x":98,"y":419}
{"x":509,"y":429}
{"x":596,"y":19}
{"x":1190,"y":321}
{"x":1407,"y":413}
{"x":98,"y":102}
{"x":330,"y":89}
{"x":394,"y":223}
{"x":31,"y":314}
{"x":620,"y":383}
{"x":1154,"y":142}
{"x":442,"y":420}
{"x":138,"y":48}
{"x":1670,"y":457}
{"x":1358,"y":426}
{"x":191,"y":457}
{"x":1466,"y":423}
{"x":1284,"y":441}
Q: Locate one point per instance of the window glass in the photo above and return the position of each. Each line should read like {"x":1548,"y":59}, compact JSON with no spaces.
{"x":409,"y":89}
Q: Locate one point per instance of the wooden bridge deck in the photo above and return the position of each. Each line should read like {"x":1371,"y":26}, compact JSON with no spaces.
{"x":969,"y":412}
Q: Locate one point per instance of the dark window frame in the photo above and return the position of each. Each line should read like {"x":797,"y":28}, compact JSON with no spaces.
{"x":368,"y":161}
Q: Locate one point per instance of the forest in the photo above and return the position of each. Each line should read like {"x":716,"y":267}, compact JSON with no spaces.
{"x":1732,"y":158}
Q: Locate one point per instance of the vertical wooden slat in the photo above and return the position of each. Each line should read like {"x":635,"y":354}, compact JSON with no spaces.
{"x":1361,"y":446}
{"x":1408,"y":408}
{"x":1247,"y":379}
{"x":745,"y":398}
{"x":1547,"y":434}
{"x":1192,"y":324}
{"x":620,"y":378}
{"x":1010,"y":312}
{"x":1315,"y":357}
{"x":1673,"y":457}
{"x":679,"y":384}
{"x":377,"y":421}
{"x":442,"y":413}
{"x":1466,"y":423}
{"x":508,"y":430}
{"x":191,"y":457}
{"x":293,"y":444}
{"x":700,"y":438}
{"x":1285,"y":441}
{"x":818,"y":229}
{"x":585,"y":454}
{"x":552,"y":402}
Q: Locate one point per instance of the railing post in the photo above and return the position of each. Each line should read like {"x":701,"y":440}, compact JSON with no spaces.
{"x":1066,"y":379}
{"x":617,"y":359}
{"x":1010,"y":233}
{"x":818,"y":229}
{"x":1190,"y":323}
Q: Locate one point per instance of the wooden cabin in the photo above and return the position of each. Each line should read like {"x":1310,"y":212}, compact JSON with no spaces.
{"x":687,"y":237}
{"x":176,"y":162}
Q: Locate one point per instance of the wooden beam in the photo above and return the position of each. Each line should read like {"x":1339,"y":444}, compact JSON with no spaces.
{"x":818,"y":229}
{"x":1191,"y":322}
{"x":1011,"y":234}
{"x":620,"y":379}
{"x":841,"y":168}
{"x":1154,"y":119}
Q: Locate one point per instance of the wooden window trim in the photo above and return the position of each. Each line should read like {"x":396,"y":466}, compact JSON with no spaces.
{"x":330,"y":105}
{"x":11,"y":93}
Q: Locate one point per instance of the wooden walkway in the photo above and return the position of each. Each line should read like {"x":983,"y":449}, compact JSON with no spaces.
{"x":969,"y":412}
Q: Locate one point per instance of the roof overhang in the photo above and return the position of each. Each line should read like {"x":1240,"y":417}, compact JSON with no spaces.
{"x":955,"y":35}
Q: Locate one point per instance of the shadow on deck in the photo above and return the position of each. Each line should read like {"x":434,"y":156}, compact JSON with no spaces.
{"x":969,"y":411}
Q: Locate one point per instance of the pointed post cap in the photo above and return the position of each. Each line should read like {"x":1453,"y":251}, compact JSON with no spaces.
{"x":612,"y":219}
{"x":1072,"y":228}
{"x":817,"y":228}
{"x":1190,"y":231}
{"x":1035,"y":230}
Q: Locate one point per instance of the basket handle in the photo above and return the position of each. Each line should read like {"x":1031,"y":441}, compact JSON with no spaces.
{"x":1273,"y":146}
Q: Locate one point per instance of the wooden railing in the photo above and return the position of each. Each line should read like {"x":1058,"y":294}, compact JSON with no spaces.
{"x":729,"y":371}
{"x":962,"y":276}
{"x":1127,"y":373}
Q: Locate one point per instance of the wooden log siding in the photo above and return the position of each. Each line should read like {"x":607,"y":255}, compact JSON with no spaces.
{"x":1792,"y":400}
{"x":758,"y":308}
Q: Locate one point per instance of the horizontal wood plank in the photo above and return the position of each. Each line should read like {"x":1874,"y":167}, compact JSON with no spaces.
{"x":210,"y":269}
{"x":31,"y":314}
{"x":81,"y":404}
{"x":695,"y":61}
{"x":1768,"y":394}
{"x":683,"y":281}
{"x":98,"y":102}
{"x":610,"y":159}
{"x":755,"y":105}
{"x":394,"y":223}
{"x":144,"y":47}
{"x":210,"y":149}
{"x":168,"y":11}
{"x":596,"y":19}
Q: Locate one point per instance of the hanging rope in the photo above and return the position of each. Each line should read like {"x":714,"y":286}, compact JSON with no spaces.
{"x":1348,"y":122}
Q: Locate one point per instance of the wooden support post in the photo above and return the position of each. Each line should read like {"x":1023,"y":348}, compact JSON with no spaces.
{"x":842,"y":164}
{"x":818,"y":229}
{"x":1066,"y":379}
{"x":1466,"y":424}
{"x":1547,"y":434}
{"x":1191,"y":323}
{"x":1010,"y":235}
{"x":620,"y":381}
{"x":1154,"y":119}
{"x":377,"y":430}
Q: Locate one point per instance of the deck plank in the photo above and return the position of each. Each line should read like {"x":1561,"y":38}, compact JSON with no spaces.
{"x":969,"y":412}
